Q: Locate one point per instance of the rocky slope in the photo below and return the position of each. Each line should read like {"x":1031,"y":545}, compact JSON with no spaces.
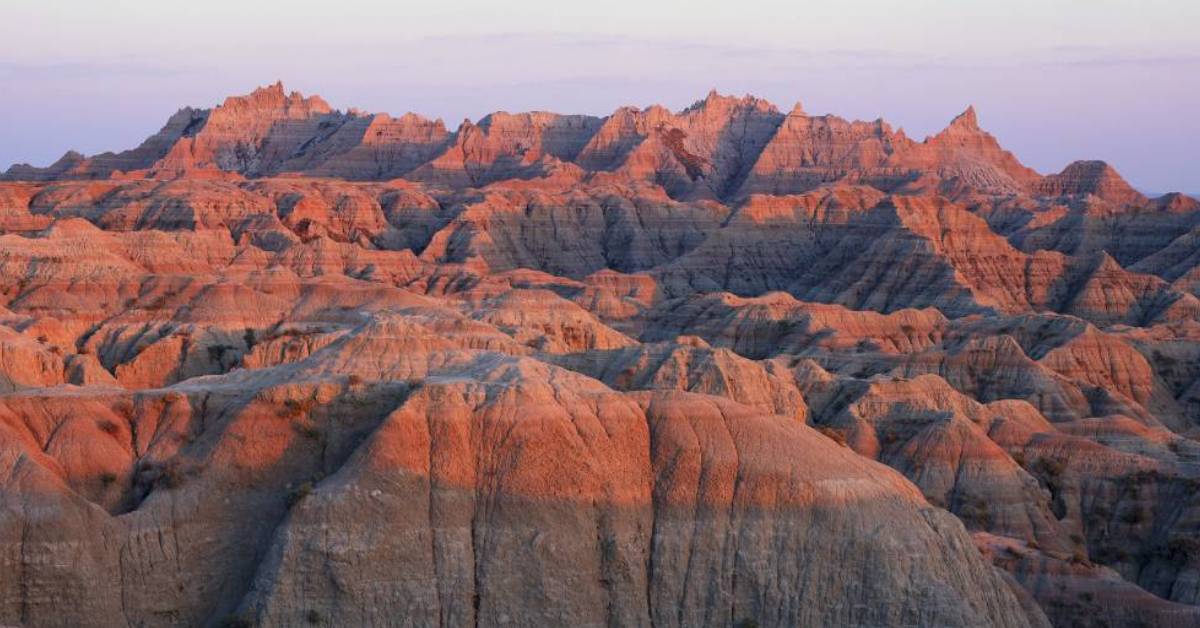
{"x":286,"y":365}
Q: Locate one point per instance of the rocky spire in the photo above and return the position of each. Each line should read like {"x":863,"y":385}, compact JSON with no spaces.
{"x":965,"y":121}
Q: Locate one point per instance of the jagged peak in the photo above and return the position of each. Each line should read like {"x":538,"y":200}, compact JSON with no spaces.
{"x":260,"y":93}
{"x":717,"y":100}
{"x":254,"y":115}
{"x":1102,"y":261}
{"x":533,"y":118}
{"x":416,"y":118}
{"x":536,"y":116}
{"x":464,"y":127}
{"x":656,"y":111}
{"x":964,"y":125}
{"x":965,"y":121}
{"x":273,"y":97}
{"x":713,"y":97}
{"x":409,"y":119}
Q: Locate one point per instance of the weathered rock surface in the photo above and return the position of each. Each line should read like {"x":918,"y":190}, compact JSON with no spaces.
{"x":287,"y":365}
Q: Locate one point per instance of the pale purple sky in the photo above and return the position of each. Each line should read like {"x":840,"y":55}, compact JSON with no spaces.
{"x":1054,"y":80}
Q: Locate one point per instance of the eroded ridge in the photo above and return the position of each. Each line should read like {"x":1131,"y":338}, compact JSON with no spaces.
{"x":283,"y":365}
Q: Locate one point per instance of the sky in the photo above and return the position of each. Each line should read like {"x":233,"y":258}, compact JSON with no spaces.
{"x":1054,"y":80}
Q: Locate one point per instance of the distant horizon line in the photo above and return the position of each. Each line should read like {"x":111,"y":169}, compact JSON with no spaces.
{"x":713,"y":92}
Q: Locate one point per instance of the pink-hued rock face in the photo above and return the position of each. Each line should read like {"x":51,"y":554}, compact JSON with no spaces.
{"x":283,"y":365}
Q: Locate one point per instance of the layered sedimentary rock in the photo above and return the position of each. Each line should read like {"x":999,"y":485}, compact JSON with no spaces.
{"x":1090,"y":177}
{"x":283,"y":365}
{"x":808,"y":151}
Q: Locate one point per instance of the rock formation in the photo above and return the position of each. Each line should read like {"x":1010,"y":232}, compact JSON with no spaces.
{"x":287,"y":365}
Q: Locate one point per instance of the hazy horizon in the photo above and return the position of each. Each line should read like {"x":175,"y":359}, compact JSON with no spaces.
{"x":1054,"y":82}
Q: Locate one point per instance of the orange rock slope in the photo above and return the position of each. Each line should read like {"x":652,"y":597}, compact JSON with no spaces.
{"x":282,"y":365}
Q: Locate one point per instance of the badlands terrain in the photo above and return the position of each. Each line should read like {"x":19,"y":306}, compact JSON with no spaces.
{"x":284,"y":365}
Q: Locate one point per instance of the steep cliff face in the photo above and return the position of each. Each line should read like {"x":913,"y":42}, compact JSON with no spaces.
{"x":378,"y":147}
{"x":286,"y":365}
{"x":809,"y":151}
{"x":251,"y":134}
{"x":721,"y":148}
{"x":462,"y":485}
{"x":506,"y":146}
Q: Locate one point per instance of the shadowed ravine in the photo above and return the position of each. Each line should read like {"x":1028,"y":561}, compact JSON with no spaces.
{"x":283,"y":365}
